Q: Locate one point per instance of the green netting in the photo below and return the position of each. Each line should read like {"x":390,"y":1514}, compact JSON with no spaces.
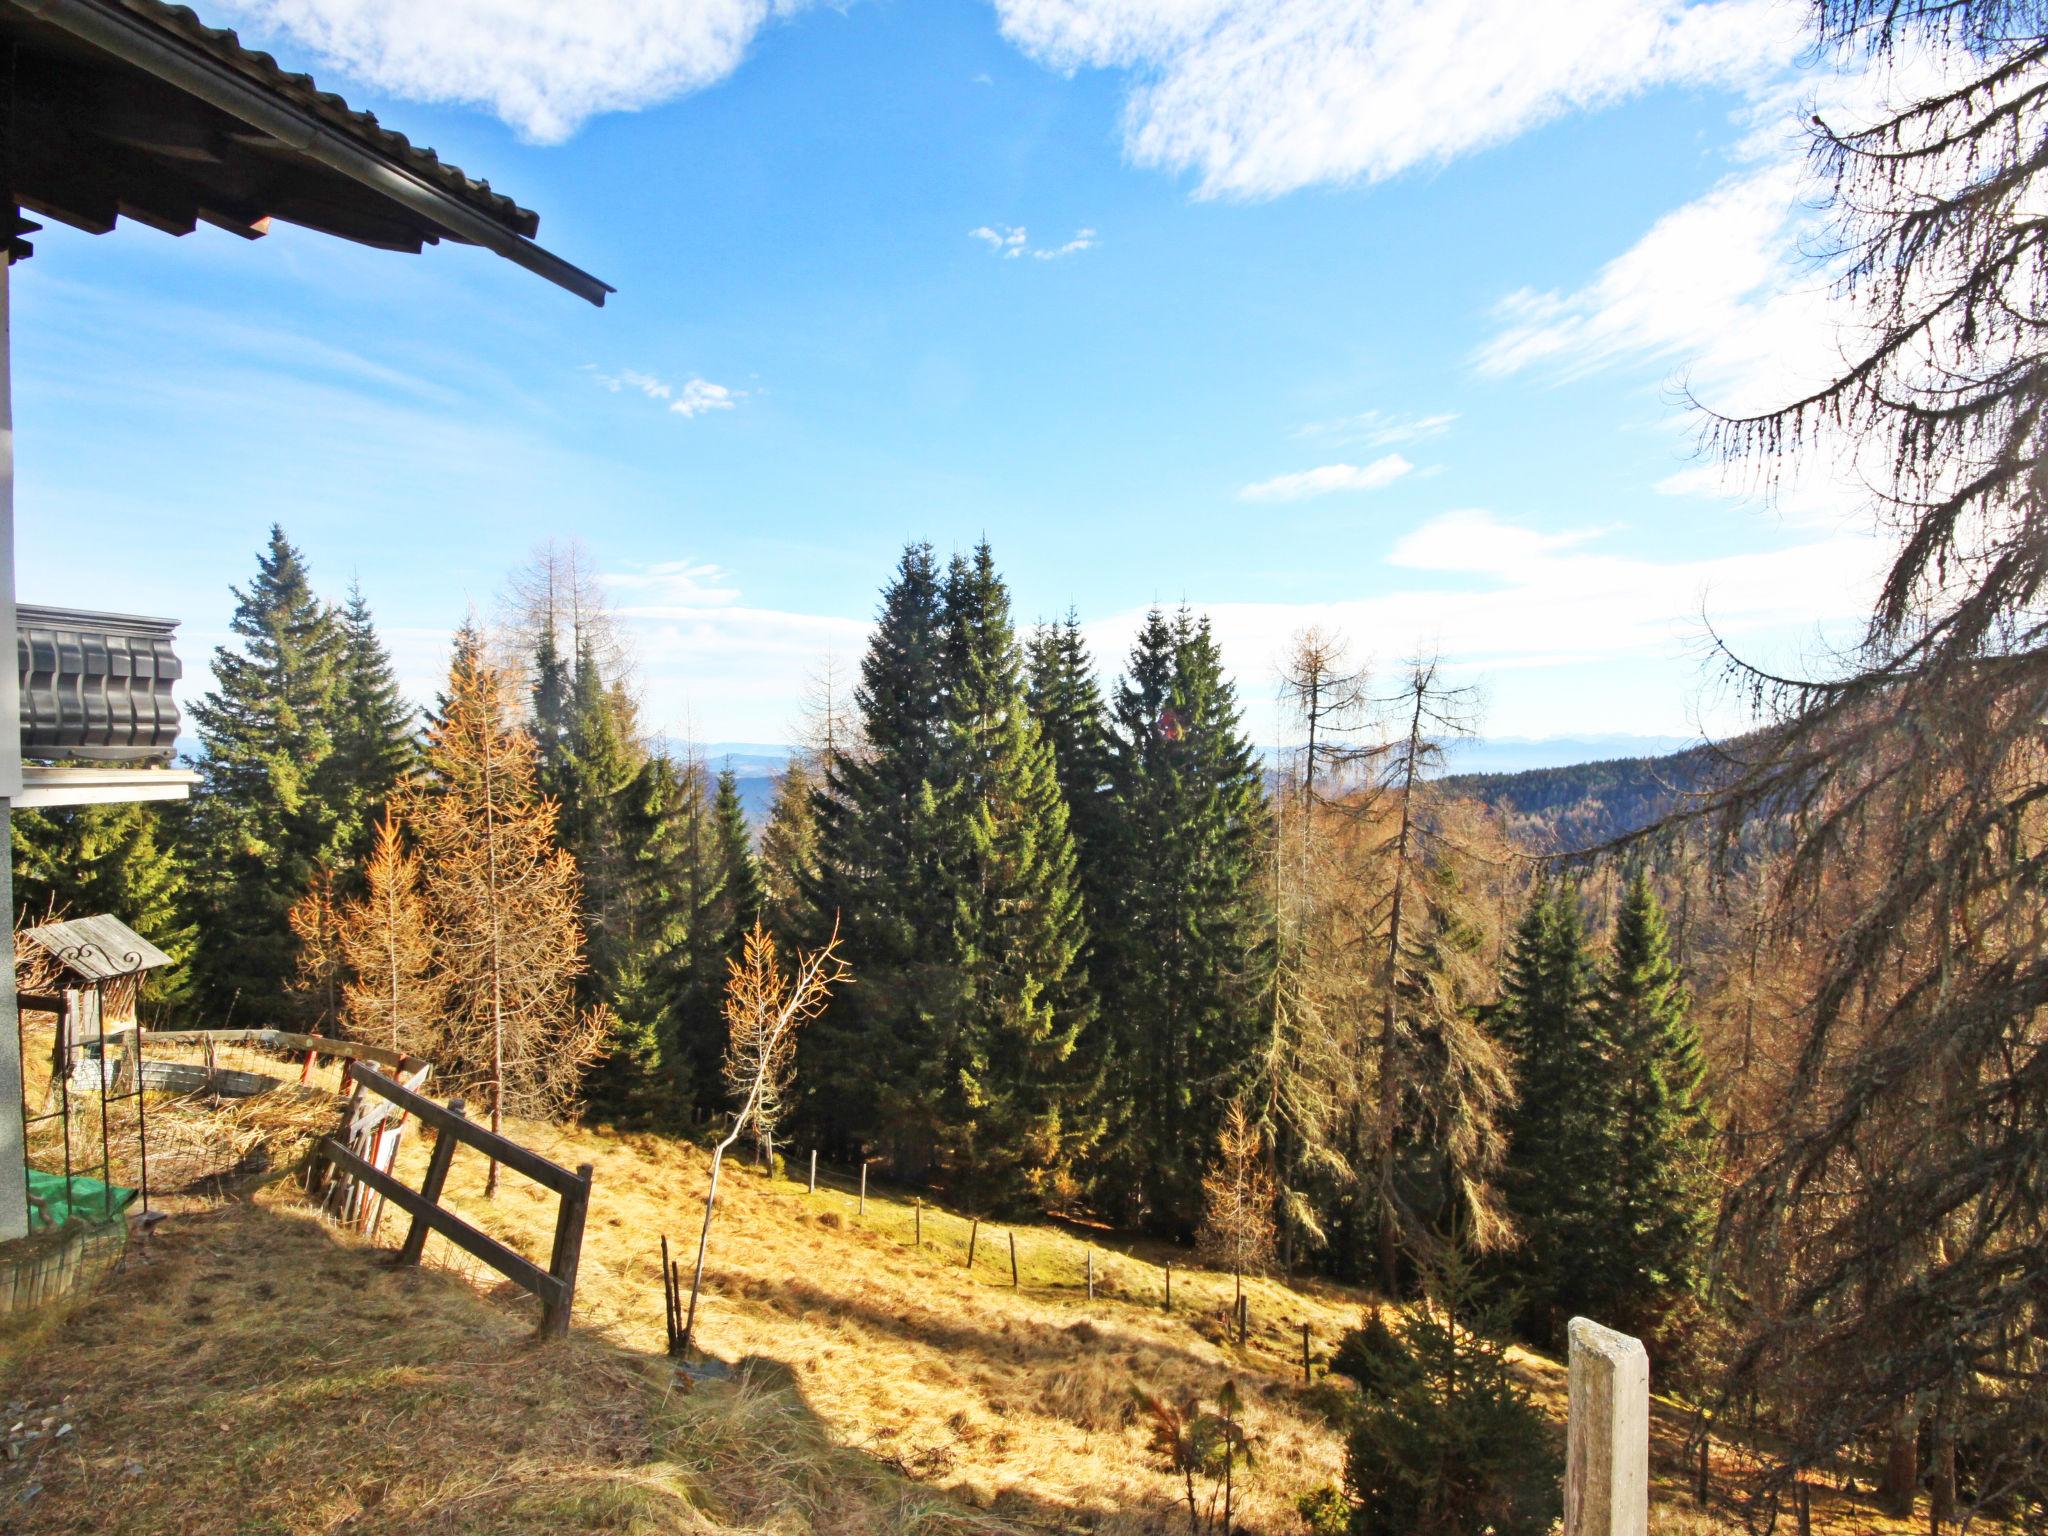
{"x":84,"y":1200}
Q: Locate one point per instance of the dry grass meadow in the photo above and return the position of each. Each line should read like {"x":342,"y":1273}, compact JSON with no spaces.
{"x":255,"y":1370}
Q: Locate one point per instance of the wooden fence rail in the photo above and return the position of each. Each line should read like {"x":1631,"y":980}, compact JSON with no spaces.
{"x":284,"y":1040}
{"x":554,"y":1285}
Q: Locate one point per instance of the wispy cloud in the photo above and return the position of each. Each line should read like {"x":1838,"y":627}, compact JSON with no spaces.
{"x":1329,"y":478}
{"x":1494,"y":595}
{"x":693,"y":397}
{"x":1011,"y":241}
{"x":1378,"y":429}
{"x":1260,"y":97}
{"x":705,"y":654}
{"x":543,"y":67}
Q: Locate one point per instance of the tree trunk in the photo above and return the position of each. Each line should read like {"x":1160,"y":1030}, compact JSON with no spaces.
{"x":1902,"y":1465}
{"x":1390,"y":1017}
{"x":703,"y":1245}
{"x":497,"y":958}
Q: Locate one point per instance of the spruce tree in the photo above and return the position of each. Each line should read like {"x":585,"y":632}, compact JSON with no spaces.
{"x":1004,"y":1127}
{"x":877,"y":879}
{"x":262,"y":822}
{"x":789,"y":851}
{"x":651,"y":1071}
{"x":1067,"y":704}
{"x":739,"y":869}
{"x":376,"y":742}
{"x":78,"y":861}
{"x":1185,"y":942}
{"x":595,"y":764}
{"x":1555,"y":1175}
{"x":1658,"y":1190}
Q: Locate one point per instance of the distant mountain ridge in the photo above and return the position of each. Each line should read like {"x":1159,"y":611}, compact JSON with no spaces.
{"x":1581,"y":805}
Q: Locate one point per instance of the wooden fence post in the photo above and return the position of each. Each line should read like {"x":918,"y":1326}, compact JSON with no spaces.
{"x":863,"y":1187}
{"x":1607,"y":1440}
{"x":430,"y":1187}
{"x":1307,"y":1375}
{"x":554,"y":1317}
{"x":1169,"y":1285}
{"x":917,"y":1215}
{"x":814,"y":1170}
{"x":1244,"y":1318}
{"x":973,"y":1236}
{"x":1013,"y":1261}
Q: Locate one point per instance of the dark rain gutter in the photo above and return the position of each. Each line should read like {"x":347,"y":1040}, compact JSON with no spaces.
{"x":142,"y":45}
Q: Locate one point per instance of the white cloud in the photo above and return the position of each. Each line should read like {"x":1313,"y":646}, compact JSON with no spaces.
{"x":693,"y":397}
{"x":1306,"y":483}
{"x":1260,"y":97}
{"x":705,"y":657}
{"x":541,"y":66}
{"x":1503,"y":597}
{"x":673,"y":583}
{"x":1008,"y":239}
{"x":700,"y":395}
{"x":1473,"y":541}
{"x":1083,"y":239}
{"x":1011,"y":241}
{"x":1379,"y":429}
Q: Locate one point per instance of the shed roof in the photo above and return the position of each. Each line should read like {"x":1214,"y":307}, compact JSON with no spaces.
{"x":97,"y":948}
{"x":138,"y":109}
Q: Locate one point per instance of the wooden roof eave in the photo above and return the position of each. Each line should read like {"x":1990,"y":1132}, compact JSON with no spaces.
{"x":128,"y":38}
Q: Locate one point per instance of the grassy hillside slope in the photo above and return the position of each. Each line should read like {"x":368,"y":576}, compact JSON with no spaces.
{"x":256,"y":1371}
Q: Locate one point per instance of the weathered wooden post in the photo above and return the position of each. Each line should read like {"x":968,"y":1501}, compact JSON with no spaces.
{"x":814,"y":1170}
{"x":1307,"y":1374}
{"x":863,"y":1187}
{"x":1607,"y":1442}
{"x":918,"y":1216}
{"x":1169,"y":1285}
{"x":1013,"y":1261}
{"x":430,"y":1187}
{"x":973,"y":1236}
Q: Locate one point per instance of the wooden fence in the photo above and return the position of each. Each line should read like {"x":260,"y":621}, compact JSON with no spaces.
{"x":555,"y":1285}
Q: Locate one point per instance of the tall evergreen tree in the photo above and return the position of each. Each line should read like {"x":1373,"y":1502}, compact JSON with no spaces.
{"x":1659,"y":1195}
{"x":596,"y":764}
{"x":376,"y":741}
{"x":740,"y":870}
{"x":1005,"y":1126}
{"x":1067,"y":704}
{"x":81,"y":860}
{"x":877,"y":879}
{"x":789,"y":851}
{"x":656,"y":1064}
{"x":262,"y":824}
{"x":945,"y":857}
{"x":1555,"y":1177}
{"x":1186,"y":940}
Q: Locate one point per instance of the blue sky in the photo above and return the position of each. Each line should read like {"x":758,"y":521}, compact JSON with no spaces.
{"x":1367,"y":314}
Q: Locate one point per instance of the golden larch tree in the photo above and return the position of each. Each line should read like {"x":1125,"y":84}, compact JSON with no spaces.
{"x":503,"y":900}
{"x":395,"y":989}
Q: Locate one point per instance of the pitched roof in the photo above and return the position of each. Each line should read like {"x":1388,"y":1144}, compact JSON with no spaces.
{"x":137,"y":109}
{"x":97,"y":948}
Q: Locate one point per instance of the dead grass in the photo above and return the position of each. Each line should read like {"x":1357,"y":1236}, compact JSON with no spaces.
{"x":271,"y":1374}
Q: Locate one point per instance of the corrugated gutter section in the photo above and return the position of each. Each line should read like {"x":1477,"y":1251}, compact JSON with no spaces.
{"x":170,"y":42}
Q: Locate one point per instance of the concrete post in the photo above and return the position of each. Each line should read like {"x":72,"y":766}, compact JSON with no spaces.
{"x":1607,"y":1443}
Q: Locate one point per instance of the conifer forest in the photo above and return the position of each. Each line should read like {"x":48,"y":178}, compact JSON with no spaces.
{"x":1743,"y":1052}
